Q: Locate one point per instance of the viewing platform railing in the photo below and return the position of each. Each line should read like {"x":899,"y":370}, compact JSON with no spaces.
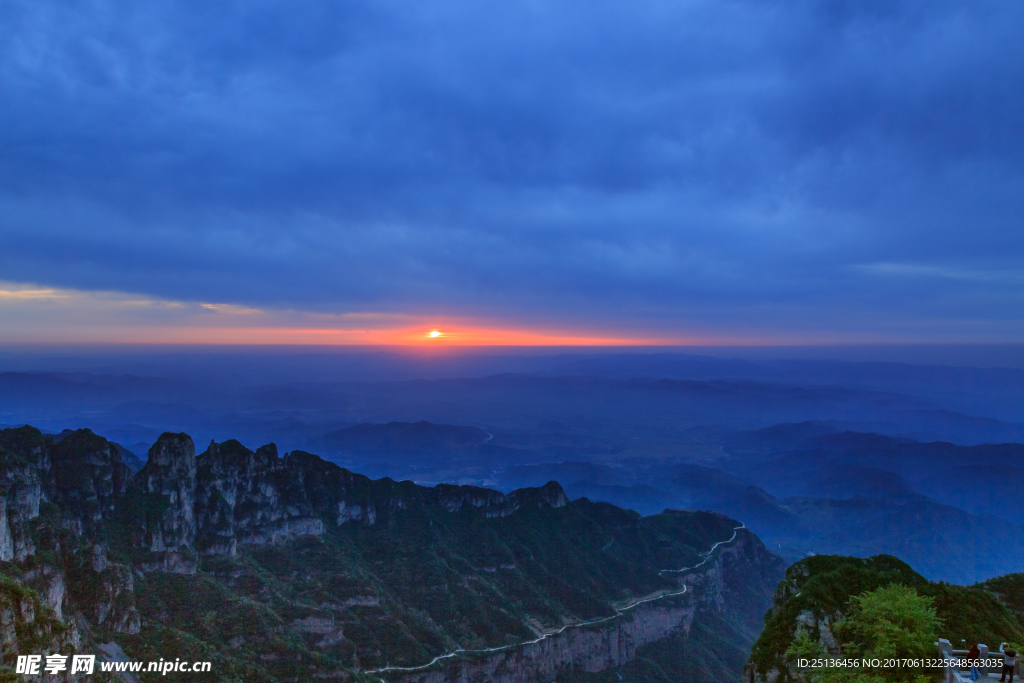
{"x":960,"y":674}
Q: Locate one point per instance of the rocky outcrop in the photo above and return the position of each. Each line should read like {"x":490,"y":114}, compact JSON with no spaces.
{"x":48,"y":582}
{"x":497,"y":504}
{"x":59,"y":499}
{"x":88,"y":478}
{"x":168,"y":484}
{"x":59,"y":496}
{"x":114,"y":605}
{"x":24,"y":463}
{"x":249,"y":497}
{"x":28,"y":624}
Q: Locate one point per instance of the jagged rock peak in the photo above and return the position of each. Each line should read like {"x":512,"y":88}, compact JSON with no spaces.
{"x":231,"y":455}
{"x":173,"y":453}
{"x":171,"y":472}
{"x":496,"y":504}
{"x":550,"y":494}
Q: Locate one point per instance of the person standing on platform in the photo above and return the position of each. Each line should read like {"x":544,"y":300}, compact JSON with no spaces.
{"x":1009,"y":662}
{"x":973,"y":655}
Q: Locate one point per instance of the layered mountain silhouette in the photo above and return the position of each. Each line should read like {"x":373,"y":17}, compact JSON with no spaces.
{"x":953,"y":511}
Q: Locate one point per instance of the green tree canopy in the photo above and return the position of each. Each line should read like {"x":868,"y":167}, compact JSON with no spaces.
{"x":893,"y":622}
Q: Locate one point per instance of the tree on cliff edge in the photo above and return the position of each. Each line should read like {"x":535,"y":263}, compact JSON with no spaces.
{"x":892,"y":622}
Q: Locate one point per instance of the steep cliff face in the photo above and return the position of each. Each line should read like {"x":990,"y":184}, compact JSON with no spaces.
{"x":588,"y":648}
{"x":737,"y":579}
{"x":171,"y":473}
{"x":247,"y":497}
{"x":59,"y":498}
{"x":286,"y":568}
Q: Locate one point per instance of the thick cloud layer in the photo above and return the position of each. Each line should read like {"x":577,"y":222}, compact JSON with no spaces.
{"x":817,"y":168}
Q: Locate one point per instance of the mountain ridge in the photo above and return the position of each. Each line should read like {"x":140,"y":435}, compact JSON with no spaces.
{"x":279,"y":568}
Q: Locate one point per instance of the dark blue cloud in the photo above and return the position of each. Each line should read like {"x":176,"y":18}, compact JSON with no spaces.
{"x":721,"y":165}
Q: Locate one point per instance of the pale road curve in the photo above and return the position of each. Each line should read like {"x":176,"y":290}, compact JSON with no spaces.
{"x":707,"y":554}
{"x":618,"y":611}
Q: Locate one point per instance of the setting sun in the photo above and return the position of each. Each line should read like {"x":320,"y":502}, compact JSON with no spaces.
{"x":434,"y":333}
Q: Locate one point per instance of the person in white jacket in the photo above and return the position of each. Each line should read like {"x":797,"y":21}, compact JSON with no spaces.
{"x":1009,"y":662}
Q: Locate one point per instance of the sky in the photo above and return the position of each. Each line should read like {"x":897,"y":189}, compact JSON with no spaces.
{"x":524,"y":172}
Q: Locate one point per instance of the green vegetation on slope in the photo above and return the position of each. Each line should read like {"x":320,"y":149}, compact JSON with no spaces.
{"x":422,"y":583}
{"x":1010,"y":589}
{"x":820,"y":607}
{"x":890,"y":622}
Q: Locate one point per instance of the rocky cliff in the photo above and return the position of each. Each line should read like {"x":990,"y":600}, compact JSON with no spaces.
{"x":736,"y":579}
{"x":289,"y":567}
{"x":817,"y":593}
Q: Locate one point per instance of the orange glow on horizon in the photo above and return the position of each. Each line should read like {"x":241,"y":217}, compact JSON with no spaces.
{"x":36,"y":314}
{"x":451,"y":337}
{"x":456,"y":337}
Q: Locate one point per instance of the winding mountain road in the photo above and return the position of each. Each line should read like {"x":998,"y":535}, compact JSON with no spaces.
{"x":618,"y":612}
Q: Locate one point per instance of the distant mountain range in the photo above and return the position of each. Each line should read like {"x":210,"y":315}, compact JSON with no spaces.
{"x":402,"y":438}
{"x":134,"y":409}
{"x":954,"y":512}
{"x":788,"y":447}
